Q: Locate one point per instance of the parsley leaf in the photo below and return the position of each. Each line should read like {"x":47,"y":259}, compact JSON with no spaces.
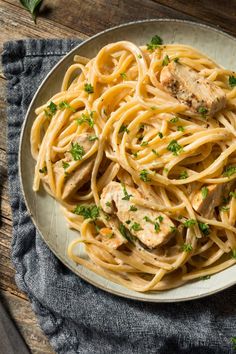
{"x":224,"y":208}
{"x":136,"y":227}
{"x":65,"y":104}
{"x":133,"y":208}
{"x":160,"y":135}
{"x":154,"y":43}
{"x":180,"y":128}
{"x":51,"y":110}
{"x":92,"y":138}
{"x":205,"y":277}
{"x":144,"y":176}
{"x":166,"y":60}
{"x":229,"y":171}
{"x":232,"y":81}
{"x":32,"y":6}
{"x":124,"y":76}
{"x":77,"y":151}
{"x":108,"y":204}
{"x":203,"y":111}
{"x":204,"y":192}
{"x":125,"y":233}
{"x":144,"y":143}
{"x":234,"y":254}
{"x":123,"y":129}
{"x":174,"y":120}
{"x":87,"y":211}
{"x":65,"y":165}
{"x":155,"y":152}
{"x":187,"y":247}
{"x":88,"y":88}
{"x":176,"y":60}
{"x":204,"y":228}
{"x":183,"y":175}
{"x":232,"y":194}
{"x":233,"y":341}
{"x":127,"y":195}
{"x":174,"y":147}
{"x":139,"y":56}
{"x":86,"y":118}
{"x":43,"y":170}
{"x":190,"y":223}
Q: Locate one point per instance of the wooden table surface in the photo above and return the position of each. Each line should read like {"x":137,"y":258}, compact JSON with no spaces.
{"x":75,"y":18}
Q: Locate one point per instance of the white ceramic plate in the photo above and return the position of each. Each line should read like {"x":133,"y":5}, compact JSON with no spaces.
{"x":46,"y":213}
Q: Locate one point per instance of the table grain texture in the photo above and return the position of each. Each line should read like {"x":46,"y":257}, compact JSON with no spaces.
{"x":70,"y":19}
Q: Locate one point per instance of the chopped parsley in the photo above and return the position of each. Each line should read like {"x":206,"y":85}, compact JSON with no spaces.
{"x":127,"y":196}
{"x":51,"y":110}
{"x":135,"y":154}
{"x":87,"y":211}
{"x":234,"y":254}
{"x":86,"y":118}
{"x":108,"y":204}
{"x":176,"y":60}
{"x":160,"y":135}
{"x":166,"y":60}
{"x":165,"y":170}
{"x":190,"y":223}
{"x":204,"y":192}
{"x":136,"y":227}
{"x":124,"y":76}
{"x":133,"y":208}
{"x":65,"y":165}
{"x":144,"y":143}
{"x":125,"y":233}
{"x":224,"y":208}
{"x":232,"y":194}
{"x":232,"y":81}
{"x":128,"y":222}
{"x":146,"y":218}
{"x":229,"y":171}
{"x":203,"y":111}
{"x":174,"y":120}
{"x":204,"y":228}
{"x":77,"y":151}
{"x":174,"y":147}
{"x":183,"y":175}
{"x":173,"y":229}
{"x":123,"y":129}
{"x":65,"y":104}
{"x":233,"y":341}
{"x":144,"y":176}
{"x":160,"y":218}
{"x":88,"y":88}
{"x":157,"y":226}
{"x":180,"y":128}
{"x":155,"y":152}
{"x":92,"y":138}
{"x":187,"y":247}
{"x":155,"y":42}
{"x":205,"y":277}
{"x":139,"y":56}
{"x":43,"y":170}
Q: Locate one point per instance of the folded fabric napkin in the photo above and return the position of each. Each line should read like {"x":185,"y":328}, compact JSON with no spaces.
{"x":77,"y":317}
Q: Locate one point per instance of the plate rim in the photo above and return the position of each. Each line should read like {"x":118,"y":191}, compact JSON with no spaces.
{"x":20,"y":163}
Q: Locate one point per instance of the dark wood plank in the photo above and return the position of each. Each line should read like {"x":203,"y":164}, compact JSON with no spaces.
{"x":20,"y":310}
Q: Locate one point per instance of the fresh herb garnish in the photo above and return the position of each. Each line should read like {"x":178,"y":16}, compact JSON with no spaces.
{"x":128,"y":222}
{"x":136,"y":227}
{"x":144,"y":143}
{"x":51,"y":110}
{"x":92,"y":138}
{"x":204,"y":192}
{"x":205,"y":277}
{"x":160,"y":218}
{"x":166,"y":60}
{"x":233,"y":341}
{"x":229,"y":171}
{"x":174,"y":120}
{"x":65,"y":165}
{"x":133,"y":208}
{"x":157,"y":226}
{"x":43,"y":170}
{"x":144,"y":176}
{"x":232,"y":81}
{"x":135,"y":154}
{"x":32,"y":6}
{"x":65,"y":104}
{"x":234,"y":254}
{"x":160,"y":135}
{"x":232,"y":194}
{"x":88,"y":88}
{"x":173,"y":229}
{"x":155,"y":152}
{"x":203,"y":111}
{"x":204,"y":228}
{"x":183,"y":175}
{"x":180,"y":128}
{"x":139,"y":56}
{"x":155,"y":42}
{"x":86,"y":118}
{"x":108,"y":204}
{"x":187,"y":247}
{"x":174,"y":147}
{"x":176,"y":60}
{"x":190,"y":223}
{"x":124,"y":76}
{"x":224,"y":208}
{"x":127,"y":196}
{"x":125,"y":233}
{"x":123,"y":129}
{"x":77,"y":151}
{"x":87,"y":211}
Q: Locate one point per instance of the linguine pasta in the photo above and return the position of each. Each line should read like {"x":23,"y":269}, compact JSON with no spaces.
{"x":114,"y":128}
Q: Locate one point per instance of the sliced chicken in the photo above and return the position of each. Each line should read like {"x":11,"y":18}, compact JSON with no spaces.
{"x":185,"y":84}
{"x":152,"y":228}
{"x":80,"y":176}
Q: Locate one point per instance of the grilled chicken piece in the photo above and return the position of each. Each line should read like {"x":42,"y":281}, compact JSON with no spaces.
{"x":205,"y":206}
{"x":185,"y":84}
{"x":152,"y":228}
{"x":79,"y":177}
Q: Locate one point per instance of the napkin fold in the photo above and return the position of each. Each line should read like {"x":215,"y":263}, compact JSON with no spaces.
{"x":77,"y":317}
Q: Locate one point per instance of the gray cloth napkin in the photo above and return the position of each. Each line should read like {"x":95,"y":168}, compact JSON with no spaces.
{"x":77,"y":317}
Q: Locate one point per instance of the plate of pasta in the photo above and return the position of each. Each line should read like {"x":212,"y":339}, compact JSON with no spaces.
{"x":128,"y":160}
